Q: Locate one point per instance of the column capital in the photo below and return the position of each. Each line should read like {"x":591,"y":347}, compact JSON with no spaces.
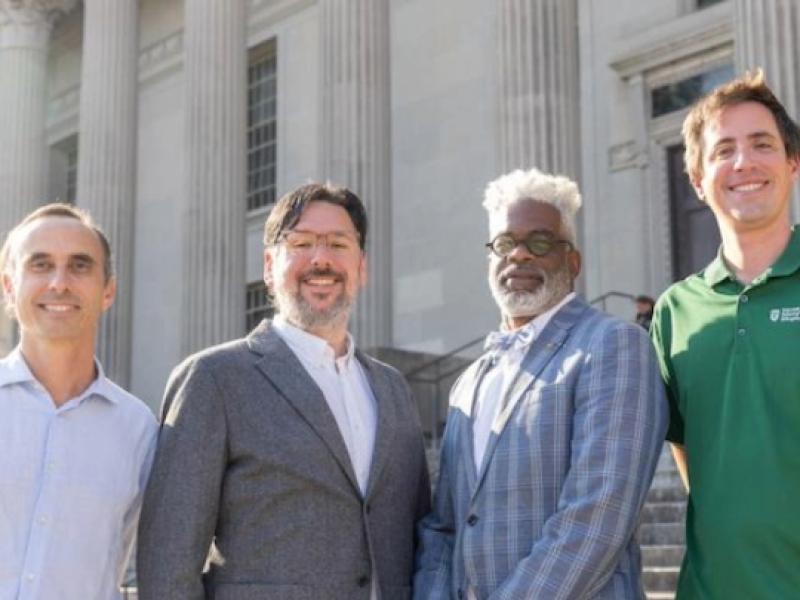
{"x":27,"y":23}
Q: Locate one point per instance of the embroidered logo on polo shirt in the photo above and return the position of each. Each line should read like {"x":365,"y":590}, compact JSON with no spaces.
{"x":787,"y":314}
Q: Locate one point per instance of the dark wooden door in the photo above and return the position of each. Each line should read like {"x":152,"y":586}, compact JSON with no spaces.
{"x":695,"y":236}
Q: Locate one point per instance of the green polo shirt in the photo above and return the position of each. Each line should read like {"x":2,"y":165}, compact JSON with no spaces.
{"x":730,"y":358}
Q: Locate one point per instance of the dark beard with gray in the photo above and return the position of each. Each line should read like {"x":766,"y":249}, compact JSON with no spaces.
{"x":296,"y":309}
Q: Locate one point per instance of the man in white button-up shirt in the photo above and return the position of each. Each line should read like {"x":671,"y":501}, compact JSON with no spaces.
{"x":76,"y":448}
{"x":289,"y":463}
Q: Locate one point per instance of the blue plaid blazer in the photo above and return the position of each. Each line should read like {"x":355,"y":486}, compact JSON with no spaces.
{"x":551,"y":514}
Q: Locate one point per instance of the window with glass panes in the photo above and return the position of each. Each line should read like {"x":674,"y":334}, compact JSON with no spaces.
{"x":261,"y":126}
{"x":258,"y":306}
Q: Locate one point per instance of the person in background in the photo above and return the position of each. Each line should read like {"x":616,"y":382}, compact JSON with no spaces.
{"x":644,"y":311}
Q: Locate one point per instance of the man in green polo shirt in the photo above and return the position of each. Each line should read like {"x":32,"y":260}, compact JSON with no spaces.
{"x":728,"y":339}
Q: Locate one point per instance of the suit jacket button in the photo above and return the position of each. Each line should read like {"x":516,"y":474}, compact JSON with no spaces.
{"x":363,"y":581}
{"x":472,"y":519}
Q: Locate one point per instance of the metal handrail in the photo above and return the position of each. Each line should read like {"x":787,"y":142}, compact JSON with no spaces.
{"x":601,"y":299}
{"x":444,"y":357}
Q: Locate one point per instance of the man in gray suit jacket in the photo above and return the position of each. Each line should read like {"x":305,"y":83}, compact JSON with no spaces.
{"x":553,"y":435}
{"x":290,"y":466}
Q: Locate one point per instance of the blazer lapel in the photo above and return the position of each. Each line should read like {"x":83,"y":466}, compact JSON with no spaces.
{"x":280,"y":365}
{"x":542,"y":350}
{"x":384,"y":392}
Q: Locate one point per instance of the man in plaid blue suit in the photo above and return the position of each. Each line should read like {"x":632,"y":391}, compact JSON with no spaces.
{"x":552,"y":435}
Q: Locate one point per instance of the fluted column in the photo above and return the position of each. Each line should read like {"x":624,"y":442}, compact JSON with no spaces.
{"x":214,"y":206}
{"x":537,"y":53}
{"x":767,"y":36}
{"x":107,"y":158}
{"x":25,"y":27}
{"x":355,"y":148}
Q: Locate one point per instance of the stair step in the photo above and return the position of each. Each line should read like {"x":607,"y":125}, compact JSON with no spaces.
{"x":666,"y":489}
{"x":660,"y":596}
{"x":661,"y":579}
{"x":654,"y":534}
{"x":664,"y":512}
{"x":665,"y":555}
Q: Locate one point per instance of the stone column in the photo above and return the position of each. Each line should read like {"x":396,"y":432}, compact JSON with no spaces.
{"x":537,"y":85}
{"x":107,"y":157}
{"x":356,"y":141}
{"x":214,"y":206}
{"x":767,"y":36}
{"x":25,"y":27}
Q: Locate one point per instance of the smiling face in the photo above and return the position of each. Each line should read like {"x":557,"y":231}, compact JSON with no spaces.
{"x":524,"y":285}
{"x":316,"y":270}
{"x":56,"y":285}
{"x":747,"y":178}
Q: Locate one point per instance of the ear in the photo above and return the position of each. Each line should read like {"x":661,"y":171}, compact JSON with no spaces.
{"x":8,"y":290}
{"x":268,"y":259}
{"x":574,"y":262}
{"x":363,"y":270}
{"x":109,"y":293}
{"x":794,"y":167}
{"x":697,"y":184}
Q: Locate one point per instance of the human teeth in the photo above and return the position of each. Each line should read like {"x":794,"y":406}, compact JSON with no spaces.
{"x":57,"y":307}
{"x":321,"y":281}
{"x":747,"y":187}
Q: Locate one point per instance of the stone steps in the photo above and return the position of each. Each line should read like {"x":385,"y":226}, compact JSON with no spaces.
{"x":661,"y":531}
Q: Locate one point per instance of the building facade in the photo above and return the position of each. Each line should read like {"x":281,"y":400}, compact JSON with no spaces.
{"x":178,"y":122}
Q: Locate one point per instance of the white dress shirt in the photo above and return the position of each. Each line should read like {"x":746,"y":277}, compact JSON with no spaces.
{"x":497,"y":381}
{"x":71,"y":484}
{"x":346,"y":390}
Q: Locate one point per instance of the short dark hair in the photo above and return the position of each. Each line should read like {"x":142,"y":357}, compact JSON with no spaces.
{"x":288,"y":210}
{"x":58,"y":209}
{"x":751,"y":87}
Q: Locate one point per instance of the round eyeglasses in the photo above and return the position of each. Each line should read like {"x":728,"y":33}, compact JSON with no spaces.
{"x":536,"y":243}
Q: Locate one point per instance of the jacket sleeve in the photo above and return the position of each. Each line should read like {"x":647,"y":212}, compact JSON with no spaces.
{"x":436,"y":538}
{"x":181,"y":503}
{"x":619,"y":422}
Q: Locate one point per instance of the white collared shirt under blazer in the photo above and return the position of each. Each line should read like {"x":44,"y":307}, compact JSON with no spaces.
{"x":552,"y":510}
{"x":346,"y":390}
{"x":71,"y":484}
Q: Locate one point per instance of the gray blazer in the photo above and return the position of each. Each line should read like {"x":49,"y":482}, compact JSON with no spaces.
{"x":251,"y":465}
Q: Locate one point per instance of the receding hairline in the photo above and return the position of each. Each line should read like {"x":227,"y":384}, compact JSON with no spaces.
{"x":10,"y":248}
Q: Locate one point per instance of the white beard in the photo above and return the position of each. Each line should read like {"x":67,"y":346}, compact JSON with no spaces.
{"x":522,"y":303}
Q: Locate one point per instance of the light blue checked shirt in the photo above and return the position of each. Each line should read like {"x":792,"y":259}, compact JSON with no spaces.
{"x":71,"y":481}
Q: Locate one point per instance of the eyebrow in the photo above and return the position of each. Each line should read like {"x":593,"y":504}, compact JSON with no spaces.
{"x":79,"y":256}
{"x":750,"y":136}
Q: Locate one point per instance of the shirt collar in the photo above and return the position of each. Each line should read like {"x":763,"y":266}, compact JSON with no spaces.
{"x":310,"y":346}
{"x":15,"y":370}
{"x":788,"y":262}
{"x":503,"y":341}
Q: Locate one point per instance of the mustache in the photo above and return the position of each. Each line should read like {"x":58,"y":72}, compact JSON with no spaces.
{"x":513,"y":270}
{"x":328,"y":272}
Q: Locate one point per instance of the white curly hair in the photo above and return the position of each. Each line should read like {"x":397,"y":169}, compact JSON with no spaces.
{"x":558,"y":191}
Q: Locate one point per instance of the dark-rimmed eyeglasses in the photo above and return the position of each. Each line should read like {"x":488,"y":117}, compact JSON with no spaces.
{"x":536,"y":243}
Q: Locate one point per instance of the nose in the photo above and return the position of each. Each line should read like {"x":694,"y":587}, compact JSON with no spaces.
{"x":321,"y":254}
{"x":520,"y":253}
{"x":741,"y":159}
{"x":59,"y":279}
